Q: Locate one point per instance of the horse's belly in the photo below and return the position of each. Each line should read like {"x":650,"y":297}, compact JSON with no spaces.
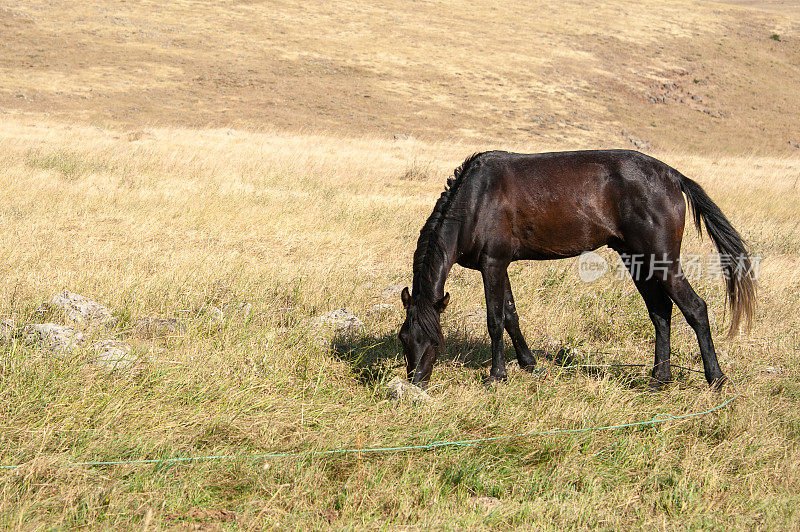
{"x":547,"y":255}
{"x":559,"y":240}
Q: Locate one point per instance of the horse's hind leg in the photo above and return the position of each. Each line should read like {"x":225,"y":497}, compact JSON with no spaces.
{"x":695,"y":311}
{"x":524,"y":356}
{"x":659,"y":306}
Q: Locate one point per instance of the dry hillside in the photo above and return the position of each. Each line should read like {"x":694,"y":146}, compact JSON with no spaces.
{"x":700,"y":76}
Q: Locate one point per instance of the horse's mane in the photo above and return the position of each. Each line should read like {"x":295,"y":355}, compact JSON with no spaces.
{"x":430,"y":250}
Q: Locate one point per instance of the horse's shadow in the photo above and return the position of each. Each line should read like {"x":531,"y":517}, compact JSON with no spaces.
{"x":374,"y":359}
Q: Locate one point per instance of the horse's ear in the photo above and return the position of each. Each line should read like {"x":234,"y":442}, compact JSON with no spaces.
{"x":442,"y":303}
{"x":406,"y":297}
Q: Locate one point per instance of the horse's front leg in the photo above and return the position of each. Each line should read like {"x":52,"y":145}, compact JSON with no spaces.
{"x":524,"y":356}
{"x":494,"y":277}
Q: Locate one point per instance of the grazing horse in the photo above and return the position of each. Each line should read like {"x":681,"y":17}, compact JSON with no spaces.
{"x":500,"y":207}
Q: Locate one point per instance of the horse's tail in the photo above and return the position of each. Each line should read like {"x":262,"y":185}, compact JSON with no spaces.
{"x":736,"y":263}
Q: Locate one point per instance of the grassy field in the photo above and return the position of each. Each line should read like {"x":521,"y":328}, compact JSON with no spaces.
{"x":144,"y":166}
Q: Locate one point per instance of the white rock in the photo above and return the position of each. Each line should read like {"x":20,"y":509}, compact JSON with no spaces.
{"x":342,"y":321}
{"x":399,"y":388}
{"x":217,"y":315}
{"x":80,"y":309}
{"x":242,"y":309}
{"x":382,"y":308}
{"x":7,"y":330}
{"x":113,"y":354}
{"x":52,"y":336}
{"x":477,"y":316}
{"x":487,"y":503}
{"x":393,"y":290}
{"x":149,"y":327}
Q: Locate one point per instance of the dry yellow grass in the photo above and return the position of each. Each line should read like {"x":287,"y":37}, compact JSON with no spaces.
{"x":296,"y":225}
{"x":164,"y":158}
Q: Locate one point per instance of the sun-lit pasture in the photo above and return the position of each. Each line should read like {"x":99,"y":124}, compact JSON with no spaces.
{"x":176,"y":221}
{"x":188,"y":161}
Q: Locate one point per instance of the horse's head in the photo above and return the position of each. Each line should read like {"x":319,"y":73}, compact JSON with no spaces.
{"x":421,"y":336}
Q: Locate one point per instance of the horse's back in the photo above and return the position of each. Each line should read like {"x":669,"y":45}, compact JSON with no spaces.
{"x":557,"y":204}
{"x":573,"y":165}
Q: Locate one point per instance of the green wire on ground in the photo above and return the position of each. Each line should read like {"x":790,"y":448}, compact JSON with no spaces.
{"x":658,"y":418}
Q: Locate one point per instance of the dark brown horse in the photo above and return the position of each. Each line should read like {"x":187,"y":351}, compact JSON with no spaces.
{"x":500,"y":207}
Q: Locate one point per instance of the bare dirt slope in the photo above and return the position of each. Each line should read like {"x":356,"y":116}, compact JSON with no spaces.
{"x":700,"y":76}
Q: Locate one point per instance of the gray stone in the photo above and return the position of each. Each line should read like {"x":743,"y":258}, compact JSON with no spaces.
{"x":401,"y":136}
{"x":399,"y":389}
{"x":8,"y":329}
{"x":52,"y":336}
{"x":774,"y":370}
{"x":477,"y":316}
{"x":150,"y":327}
{"x":80,"y":309}
{"x":639,"y":144}
{"x":391,"y":291}
{"x":113,"y":354}
{"x":382,"y":308}
{"x":216,"y":314}
{"x":242,"y":309}
{"x":342,"y":321}
{"x":486,"y":502}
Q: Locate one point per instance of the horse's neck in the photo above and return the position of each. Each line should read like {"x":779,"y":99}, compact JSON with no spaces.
{"x":440,"y":267}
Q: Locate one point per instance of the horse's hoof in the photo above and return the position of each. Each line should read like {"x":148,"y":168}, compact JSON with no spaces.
{"x":495,"y":379}
{"x":529,"y":367}
{"x":717,"y":384}
{"x":657,"y":384}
